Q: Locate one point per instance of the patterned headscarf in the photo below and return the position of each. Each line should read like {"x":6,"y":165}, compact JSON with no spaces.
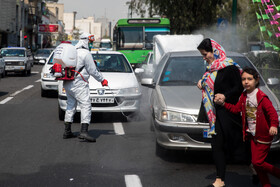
{"x":208,"y":80}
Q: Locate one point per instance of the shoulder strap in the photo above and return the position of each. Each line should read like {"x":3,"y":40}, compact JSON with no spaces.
{"x":79,"y":70}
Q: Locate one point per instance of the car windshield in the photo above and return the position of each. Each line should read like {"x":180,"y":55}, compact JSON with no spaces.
{"x":13,"y":52}
{"x":188,"y":70}
{"x":43,"y":52}
{"x":112,"y":63}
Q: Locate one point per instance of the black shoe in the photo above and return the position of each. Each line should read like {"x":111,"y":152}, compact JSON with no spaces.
{"x":255,"y":179}
{"x":69,"y":135}
{"x":67,"y":132}
{"x":84,"y":133}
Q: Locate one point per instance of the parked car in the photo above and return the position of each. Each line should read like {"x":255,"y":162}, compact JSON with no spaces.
{"x":175,"y":100}
{"x":2,"y":66}
{"x":16,"y":60}
{"x":41,"y":55}
{"x":147,"y":65}
{"x":123,"y":93}
{"x":48,"y":81}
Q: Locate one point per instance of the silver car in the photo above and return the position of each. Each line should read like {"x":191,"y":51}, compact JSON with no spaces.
{"x":16,"y":60}
{"x":41,"y":55}
{"x":175,"y":100}
{"x":2,"y":67}
{"x":123,"y":93}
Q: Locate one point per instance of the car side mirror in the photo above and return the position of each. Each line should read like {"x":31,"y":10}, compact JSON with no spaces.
{"x":148,"y":82}
{"x":139,"y":70}
{"x":272,"y":81}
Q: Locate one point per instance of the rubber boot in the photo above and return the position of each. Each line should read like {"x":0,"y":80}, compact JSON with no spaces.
{"x":67,"y":132}
{"x":84,"y":133}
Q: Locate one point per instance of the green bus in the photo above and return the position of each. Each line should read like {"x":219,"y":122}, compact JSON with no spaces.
{"x":134,"y":37}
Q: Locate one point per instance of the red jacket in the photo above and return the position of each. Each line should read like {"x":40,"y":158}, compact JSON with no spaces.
{"x":266,"y":115}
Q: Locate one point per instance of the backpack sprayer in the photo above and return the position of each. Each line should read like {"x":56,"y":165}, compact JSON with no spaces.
{"x":65,"y":58}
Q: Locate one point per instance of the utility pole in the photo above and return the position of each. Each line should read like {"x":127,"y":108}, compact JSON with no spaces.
{"x":130,"y":8}
{"x":233,"y":25}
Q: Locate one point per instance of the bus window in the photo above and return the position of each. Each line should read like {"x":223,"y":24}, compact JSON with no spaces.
{"x":131,"y":37}
{"x":150,"y":32}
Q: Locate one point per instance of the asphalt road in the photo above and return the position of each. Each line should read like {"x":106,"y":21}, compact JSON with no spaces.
{"x":33,"y":152}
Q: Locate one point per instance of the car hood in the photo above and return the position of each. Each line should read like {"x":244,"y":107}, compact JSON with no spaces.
{"x":14,"y":58}
{"x":182,"y":98}
{"x":116,"y":80}
{"x":46,"y":68}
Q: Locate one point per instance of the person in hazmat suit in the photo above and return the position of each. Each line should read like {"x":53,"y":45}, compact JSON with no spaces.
{"x":78,"y":91}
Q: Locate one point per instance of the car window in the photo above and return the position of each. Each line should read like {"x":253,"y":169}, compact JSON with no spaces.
{"x":159,"y":67}
{"x":51,"y":59}
{"x":244,"y":62}
{"x":112,"y":63}
{"x":182,"y":71}
{"x":151,"y":59}
{"x":13,"y":53}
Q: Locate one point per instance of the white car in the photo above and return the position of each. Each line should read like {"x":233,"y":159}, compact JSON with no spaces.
{"x":123,"y":93}
{"x":48,"y":82}
{"x":147,"y":65}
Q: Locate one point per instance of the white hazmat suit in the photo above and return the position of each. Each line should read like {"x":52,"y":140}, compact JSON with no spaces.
{"x":78,"y":91}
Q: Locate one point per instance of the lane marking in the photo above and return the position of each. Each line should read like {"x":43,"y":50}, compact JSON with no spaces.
{"x":39,"y":80}
{"x":5,"y":100}
{"x":35,"y":72}
{"x":14,"y":94}
{"x":132,"y":181}
{"x":19,"y":91}
{"x":118,"y":128}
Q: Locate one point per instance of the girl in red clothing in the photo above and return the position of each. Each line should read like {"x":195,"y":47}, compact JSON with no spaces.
{"x":260,"y":123}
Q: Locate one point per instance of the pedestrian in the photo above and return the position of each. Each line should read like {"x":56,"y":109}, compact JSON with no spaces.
{"x":222,"y":76}
{"x":259,"y":121}
{"x":77,"y":91}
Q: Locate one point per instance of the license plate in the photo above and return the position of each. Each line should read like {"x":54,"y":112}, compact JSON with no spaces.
{"x":206,"y":133}
{"x":9,"y":67}
{"x":102,"y":100}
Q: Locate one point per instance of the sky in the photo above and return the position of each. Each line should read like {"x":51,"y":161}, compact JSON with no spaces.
{"x":112,"y":9}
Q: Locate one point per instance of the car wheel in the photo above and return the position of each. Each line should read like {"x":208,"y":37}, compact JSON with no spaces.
{"x":44,"y":93}
{"x":3,"y":74}
{"x":160,"y":151}
{"x":24,"y":73}
{"x":61,"y":114}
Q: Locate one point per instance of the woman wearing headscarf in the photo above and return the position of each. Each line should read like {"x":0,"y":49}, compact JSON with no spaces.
{"x":222,"y":76}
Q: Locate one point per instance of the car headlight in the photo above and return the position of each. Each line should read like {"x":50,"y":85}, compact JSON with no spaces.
{"x":21,"y":63}
{"x":47,"y":75}
{"x":63,"y":91}
{"x":176,"y":116}
{"x":133,"y":90}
